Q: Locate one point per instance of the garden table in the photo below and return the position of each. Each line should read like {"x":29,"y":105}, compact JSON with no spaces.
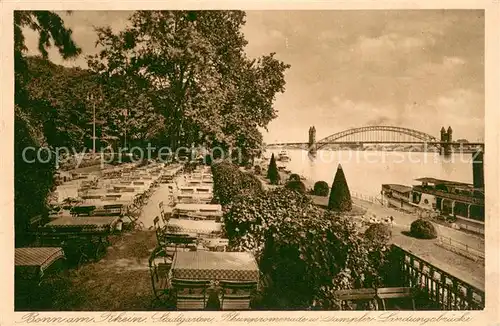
{"x":32,"y":262}
{"x":110,"y":206}
{"x":176,"y":225}
{"x":194,"y":198}
{"x":83,"y":224}
{"x":196,"y":189}
{"x":209,"y":211}
{"x":88,"y":236}
{"x":202,"y":208}
{"x":215,"y":266}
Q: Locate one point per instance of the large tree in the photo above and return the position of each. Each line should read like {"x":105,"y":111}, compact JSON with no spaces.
{"x":33,"y":181}
{"x":197,"y":75}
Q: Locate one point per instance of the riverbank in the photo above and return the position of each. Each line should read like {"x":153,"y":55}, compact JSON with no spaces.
{"x":456,"y":264}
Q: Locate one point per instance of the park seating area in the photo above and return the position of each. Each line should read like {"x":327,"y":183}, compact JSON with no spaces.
{"x":190,"y":265}
{"x":108,"y":202}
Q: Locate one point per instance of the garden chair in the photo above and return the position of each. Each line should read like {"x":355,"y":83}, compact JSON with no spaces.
{"x":161,"y":205}
{"x":368,"y":294}
{"x":190,"y":294}
{"x":396,"y":294}
{"x":132,"y":214}
{"x":166,"y":217}
{"x":175,"y":241}
{"x":236,"y":295}
{"x":160,"y":233}
{"x":159,"y":267}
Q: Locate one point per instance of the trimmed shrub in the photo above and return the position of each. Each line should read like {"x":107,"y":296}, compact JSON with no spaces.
{"x":294,"y":177}
{"x":340,"y":196}
{"x":321,"y":188}
{"x":423,"y":229}
{"x":272,"y":172}
{"x":378,"y":233}
{"x":296,"y":185}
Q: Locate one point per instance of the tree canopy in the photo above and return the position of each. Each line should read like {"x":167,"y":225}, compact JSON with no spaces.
{"x":172,"y":78}
{"x":32,"y":115}
{"x":192,"y":67}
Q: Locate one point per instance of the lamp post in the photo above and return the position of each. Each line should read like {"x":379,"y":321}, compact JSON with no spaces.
{"x":125,"y":115}
{"x":90,"y":97}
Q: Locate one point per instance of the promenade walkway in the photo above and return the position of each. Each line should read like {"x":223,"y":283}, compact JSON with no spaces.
{"x":152,"y":209}
{"x":461,"y":267}
{"x":404,"y":220}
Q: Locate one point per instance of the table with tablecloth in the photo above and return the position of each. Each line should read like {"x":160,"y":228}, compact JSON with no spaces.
{"x":208,"y":209}
{"x":83,"y":236}
{"x":83,"y":224}
{"x":216,"y":266}
{"x":102,"y":207}
{"x":179,"y":225}
{"x":33,"y":261}
{"x":193,"y":198}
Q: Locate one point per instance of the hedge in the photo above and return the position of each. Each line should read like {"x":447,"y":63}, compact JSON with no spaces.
{"x":308,"y":253}
{"x":423,"y":229}
{"x":304,"y":252}
{"x":378,"y":232}
{"x":230,"y":182}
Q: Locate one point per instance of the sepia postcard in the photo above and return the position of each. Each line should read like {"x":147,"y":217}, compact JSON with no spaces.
{"x":250,"y":162}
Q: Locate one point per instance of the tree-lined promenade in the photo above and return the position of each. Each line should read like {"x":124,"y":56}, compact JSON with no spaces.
{"x":173,"y":78}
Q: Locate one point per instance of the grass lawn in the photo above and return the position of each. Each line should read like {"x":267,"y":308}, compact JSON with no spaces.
{"x":119,"y":281}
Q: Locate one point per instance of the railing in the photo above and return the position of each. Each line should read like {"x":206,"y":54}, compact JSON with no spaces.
{"x":368,"y":198}
{"x":470,"y":228}
{"x":449,"y":195}
{"x":443,"y":289}
{"x":460,"y":248}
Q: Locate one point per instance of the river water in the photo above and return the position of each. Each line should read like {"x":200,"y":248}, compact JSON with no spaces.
{"x":366,"y":171}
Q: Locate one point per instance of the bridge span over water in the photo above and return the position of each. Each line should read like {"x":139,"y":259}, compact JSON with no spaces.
{"x":384,"y":135}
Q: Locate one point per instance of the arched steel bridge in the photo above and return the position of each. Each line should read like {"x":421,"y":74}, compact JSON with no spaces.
{"x":377,"y":135}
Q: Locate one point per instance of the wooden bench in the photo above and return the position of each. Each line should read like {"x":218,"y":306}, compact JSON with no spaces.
{"x":395,"y":293}
{"x":356,"y":295}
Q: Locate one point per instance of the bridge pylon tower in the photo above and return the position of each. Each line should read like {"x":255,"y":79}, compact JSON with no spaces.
{"x":312,"y":140}
{"x":446,"y":137}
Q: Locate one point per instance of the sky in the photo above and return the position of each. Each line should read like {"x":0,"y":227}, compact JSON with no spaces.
{"x":419,"y":69}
